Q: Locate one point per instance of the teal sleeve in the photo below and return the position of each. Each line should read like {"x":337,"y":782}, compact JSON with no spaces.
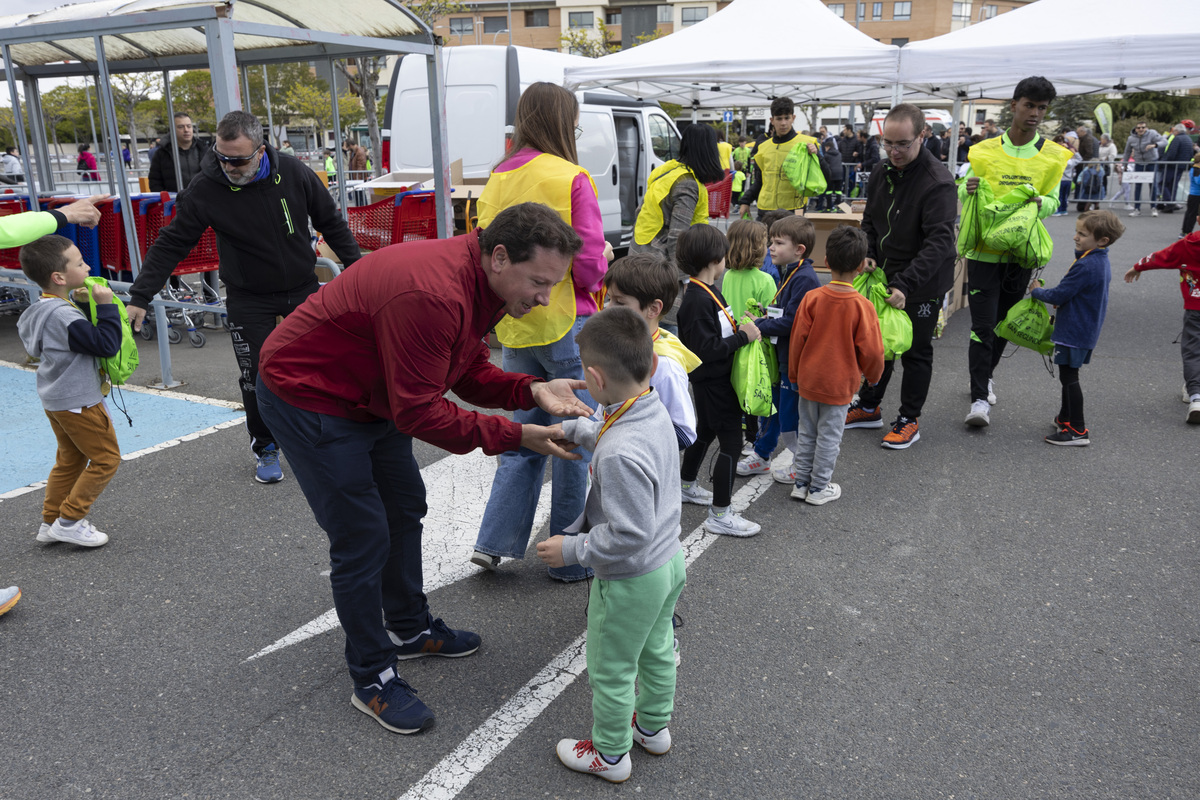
{"x":21,"y":229}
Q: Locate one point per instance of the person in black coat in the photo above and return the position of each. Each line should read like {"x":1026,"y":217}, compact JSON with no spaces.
{"x":1180,"y":148}
{"x":190,"y":153}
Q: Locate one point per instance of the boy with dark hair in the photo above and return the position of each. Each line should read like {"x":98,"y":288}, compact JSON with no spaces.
{"x":629,"y":536}
{"x":835,"y":340}
{"x":1082,"y":299}
{"x":791,"y":239}
{"x":995,"y":280}
{"x":768,"y":185}
{"x":708,"y":329}
{"x":646,"y":283}
{"x":58,"y":333}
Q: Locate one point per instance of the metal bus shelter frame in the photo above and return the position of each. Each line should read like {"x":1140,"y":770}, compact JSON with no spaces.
{"x":220,"y":28}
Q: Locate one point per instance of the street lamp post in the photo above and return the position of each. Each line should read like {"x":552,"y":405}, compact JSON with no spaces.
{"x":497,"y":33}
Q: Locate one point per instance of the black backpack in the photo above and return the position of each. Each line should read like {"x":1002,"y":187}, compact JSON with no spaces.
{"x":81,"y":165}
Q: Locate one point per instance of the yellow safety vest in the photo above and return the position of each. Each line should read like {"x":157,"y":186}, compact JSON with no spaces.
{"x":658,"y":186}
{"x":545,"y":179}
{"x":1005,"y":173}
{"x":777,"y":191}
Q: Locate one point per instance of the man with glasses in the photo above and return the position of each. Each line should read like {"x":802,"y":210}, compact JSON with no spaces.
{"x":189,"y":150}
{"x":909,"y":222}
{"x":1143,"y":144}
{"x":260,"y":206}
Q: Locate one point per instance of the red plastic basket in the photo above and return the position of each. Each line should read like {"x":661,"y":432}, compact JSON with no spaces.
{"x":10,"y":256}
{"x":416,"y":216}
{"x":372,"y":225}
{"x":720,"y":195}
{"x":204,"y":256}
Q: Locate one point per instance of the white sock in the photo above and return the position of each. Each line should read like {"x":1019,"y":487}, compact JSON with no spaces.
{"x":718,"y":512}
{"x":1195,"y":397}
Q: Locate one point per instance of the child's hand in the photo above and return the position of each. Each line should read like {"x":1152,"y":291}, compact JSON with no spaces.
{"x":752,"y":333}
{"x":1132,"y":275}
{"x":550,"y":551}
{"x":102,"y":294}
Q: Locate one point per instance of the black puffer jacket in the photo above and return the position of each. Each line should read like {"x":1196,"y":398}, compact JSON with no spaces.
{"x":909,"y":222}
{"x":263,"y":237}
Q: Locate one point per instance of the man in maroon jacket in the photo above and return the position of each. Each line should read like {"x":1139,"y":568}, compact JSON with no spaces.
{"x":363,"y":366}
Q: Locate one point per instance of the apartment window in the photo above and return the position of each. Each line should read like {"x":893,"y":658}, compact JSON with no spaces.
{"x":581,"y":19}
{"x":495,"y":24}
{"x":612,"y":18}
{"x":876,"y":11}
{"x":460,"y":25}
{"x":664,"y":14}
{"x":988,"y":12}
{"x":839,"y":9}
{"x":961,"y":12}
{"x":693,"y":15}
{"x":900,"y":42}
{"x":539,"y":18}
{"x":902,"y":10}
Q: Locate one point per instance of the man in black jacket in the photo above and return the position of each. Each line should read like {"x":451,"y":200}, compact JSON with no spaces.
{"x":909,"y":222}
{"x":259,"y":205}
{"x":190,"y":153}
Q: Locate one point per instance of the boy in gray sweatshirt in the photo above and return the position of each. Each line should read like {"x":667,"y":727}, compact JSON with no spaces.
{"x":68,"y":382}
{"x":629,"y":535}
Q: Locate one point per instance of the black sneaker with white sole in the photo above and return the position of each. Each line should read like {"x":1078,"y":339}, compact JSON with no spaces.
{"x":1069,"y":437}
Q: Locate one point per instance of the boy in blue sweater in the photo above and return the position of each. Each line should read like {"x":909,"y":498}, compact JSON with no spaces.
{"x":1081,"y":298}
{"x":792,"y":238}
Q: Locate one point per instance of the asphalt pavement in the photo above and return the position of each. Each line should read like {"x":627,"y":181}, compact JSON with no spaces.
{"x":980,"y":616}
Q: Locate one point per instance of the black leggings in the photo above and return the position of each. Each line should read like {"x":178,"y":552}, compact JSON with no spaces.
{"x":1071,"y":412}
{"x":719,"y":417}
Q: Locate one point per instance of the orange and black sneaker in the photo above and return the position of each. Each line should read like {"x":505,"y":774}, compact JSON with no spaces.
{"x":903,"y":433}
{"x":859,"y":417}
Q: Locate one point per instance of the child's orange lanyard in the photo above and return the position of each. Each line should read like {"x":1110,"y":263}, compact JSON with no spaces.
{"x":654,"y":337}
{"x":1081,"y":258}
{"x":841,"y":283}
{"x":724,"y":310}
{"x":609,"y":419}
{"x":791,"y":275}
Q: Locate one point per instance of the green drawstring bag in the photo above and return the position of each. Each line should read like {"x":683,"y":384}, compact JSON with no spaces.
{"x":118,"y":368}
{"x":755,"y":373}
{"x":970,"y":226}
{"x":894,"y":324}
{"x":803,"y":170}
{"x":1028,"y":324}
{"x":1011,"y":226}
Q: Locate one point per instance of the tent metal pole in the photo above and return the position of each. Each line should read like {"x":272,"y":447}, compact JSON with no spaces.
{"x":955,"y":118}
{"x":222,"y":66}
{"x":127,"y":214}
{"x":37,"y":128}
{"x":246,"y":102}
{"x":267,"y":93}
{"x":171,"y":124}
{"x":343,"y":176}
{"x":436,"y":80}
{"x":105,"y":145}
{"x":22,"y":142}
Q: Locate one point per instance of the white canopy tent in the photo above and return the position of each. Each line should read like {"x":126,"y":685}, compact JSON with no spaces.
{"x":1082,"y":46}
{"x":730,"y":59}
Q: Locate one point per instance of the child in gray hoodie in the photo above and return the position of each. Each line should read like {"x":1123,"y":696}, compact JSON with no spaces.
{"x":629,"y":535}
{"x":56,"y":331}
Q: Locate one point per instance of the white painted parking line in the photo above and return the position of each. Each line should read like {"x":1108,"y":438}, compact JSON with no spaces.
{"x":457,"y":490}
{"x":452,"y":774}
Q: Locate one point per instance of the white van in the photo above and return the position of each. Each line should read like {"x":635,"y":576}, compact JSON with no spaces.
{"x":936,"y":118}
{"x":622,"y":139}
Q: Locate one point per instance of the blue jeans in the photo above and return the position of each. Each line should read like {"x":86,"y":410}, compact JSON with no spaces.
{"x":786,"y":418}
{"x":366,"y":492}
{"x":1155,"y":187}
{"x":508,"y":519}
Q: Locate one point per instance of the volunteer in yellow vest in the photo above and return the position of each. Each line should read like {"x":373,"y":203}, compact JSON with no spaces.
{"x":542,"y":166}
{"x":676,"y":200}
{"x":725,"y":151}
{"x":768,"y":185}
{"x":995,"y":283}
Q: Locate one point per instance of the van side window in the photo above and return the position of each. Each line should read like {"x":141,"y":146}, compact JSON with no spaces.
{"x":663,"y":138}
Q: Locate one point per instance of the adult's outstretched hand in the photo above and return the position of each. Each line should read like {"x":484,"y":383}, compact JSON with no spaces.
{"x":557,"y":398}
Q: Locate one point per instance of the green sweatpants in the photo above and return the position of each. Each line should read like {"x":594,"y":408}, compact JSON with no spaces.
{"x":629,"y":638}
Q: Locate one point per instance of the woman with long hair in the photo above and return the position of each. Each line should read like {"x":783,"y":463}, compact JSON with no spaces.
{"x":676,"y":199}
{"x":542,"y":166}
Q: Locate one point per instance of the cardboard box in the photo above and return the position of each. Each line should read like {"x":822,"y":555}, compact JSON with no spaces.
{"x":824,"y":223}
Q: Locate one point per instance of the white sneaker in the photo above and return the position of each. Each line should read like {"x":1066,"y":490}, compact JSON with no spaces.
{"x":581,"y":756}
{"x":747,"y":449}
{"x":827,"y":495}
{"x":655,"y":744}
{"x":1128,"y":207}
{"x":1186,"y":396}
{"x":800,"y":491}
{"x":978,"y":416}
{"x":43,"y":534}
{"x":991,"y":398}
{"x":753,"y":464}
{"x":82,"y":533}
{"x":730,"y":523}
{"x":695,"y":493}
{"x":1135,"y":213}
{"x":1154,"y":212}
{"x":1193,"y":416}
{"x":784,"y":474}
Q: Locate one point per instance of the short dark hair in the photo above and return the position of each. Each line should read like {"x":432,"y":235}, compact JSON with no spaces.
{"x":179,"y":114}
{"x":698,"y":150}
{"x":240,"y":123}
{"x":618,"y":341}
{"x":645,"y":277}
{"x":1102,"y":224}
{"x":773,"y":216}
{"x":42,"y":257}
{"x":522,"y":227}
{"x":799,"y":229}
{"x":10,"y":150}
{"x":699,"y":246}
{"x":911,"y":113}
{"x":782,"y":106}
{"x":1035,"y":88}
{"x":845,"y":249}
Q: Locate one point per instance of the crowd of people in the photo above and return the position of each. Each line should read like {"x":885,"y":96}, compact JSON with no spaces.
{"x":620,"y":370}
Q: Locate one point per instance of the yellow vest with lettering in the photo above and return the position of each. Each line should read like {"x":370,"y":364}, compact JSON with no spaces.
{"x":1005,"y":173}
{"x":650,"y":218}
{"x":545,"y":179}
{"x":777,"y":191}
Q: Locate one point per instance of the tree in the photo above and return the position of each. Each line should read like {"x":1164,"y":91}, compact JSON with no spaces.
{"x":192,"y":94}
{"x":363,"y":76}
{"x":1156,"y":106}
{"x":312,"y":102}
{"x":1071,"y":110}
{"x":432,"y":10}
{"x":648,"y":36}
{"x":129,"y":90}
{"x":581,"y":42}
{"x":59,"y":105}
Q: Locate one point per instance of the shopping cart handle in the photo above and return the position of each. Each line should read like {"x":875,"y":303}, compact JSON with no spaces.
{"x":334,"y":268}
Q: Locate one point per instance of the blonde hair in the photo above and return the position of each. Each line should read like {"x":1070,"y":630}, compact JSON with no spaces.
{"x":747,"y":244}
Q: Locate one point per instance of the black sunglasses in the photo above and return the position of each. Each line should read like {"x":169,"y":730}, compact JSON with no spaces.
{"x":236,"y":161}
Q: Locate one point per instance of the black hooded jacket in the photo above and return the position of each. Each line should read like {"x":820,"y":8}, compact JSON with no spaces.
{"x":262,"y":228}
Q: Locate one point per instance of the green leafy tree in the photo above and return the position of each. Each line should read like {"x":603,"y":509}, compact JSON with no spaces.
{"x":59,"y":105}
{"x":312,"y":103}
{"x":363,"y":76}
{"x":648,"y":36}
{"x":581,"y":41}
{"x":1070,"y":110}
{"x":192,"y":94}
{"x":1156,"y":106}
{"x":432,"y":10}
